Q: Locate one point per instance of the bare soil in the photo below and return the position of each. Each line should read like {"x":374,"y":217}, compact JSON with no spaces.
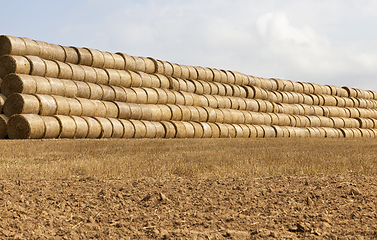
{"x":295,"y":207}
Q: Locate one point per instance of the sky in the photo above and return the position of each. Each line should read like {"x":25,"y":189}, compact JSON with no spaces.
{"x":330,"y":42}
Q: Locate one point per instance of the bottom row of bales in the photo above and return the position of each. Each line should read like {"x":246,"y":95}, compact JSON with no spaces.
{"x":32,"y":126}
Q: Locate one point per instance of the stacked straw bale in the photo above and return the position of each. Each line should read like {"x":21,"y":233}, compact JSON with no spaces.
{"x":53,"y":91}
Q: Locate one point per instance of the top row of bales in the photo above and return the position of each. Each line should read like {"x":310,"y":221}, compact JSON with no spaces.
{"x":99,"y":59}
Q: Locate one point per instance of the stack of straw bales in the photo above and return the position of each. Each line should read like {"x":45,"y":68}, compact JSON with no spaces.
{"x":53,"y":91}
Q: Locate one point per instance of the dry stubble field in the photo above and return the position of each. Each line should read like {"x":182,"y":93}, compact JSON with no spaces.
{"x":188,"y":189}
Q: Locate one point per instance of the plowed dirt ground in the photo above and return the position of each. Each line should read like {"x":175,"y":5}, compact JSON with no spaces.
{"x":319,"y":205}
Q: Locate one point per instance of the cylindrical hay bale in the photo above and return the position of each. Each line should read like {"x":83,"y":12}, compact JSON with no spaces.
{"x":170,"y":130}
{"x":166,"y":113}
{"x":202,"y":74}
{"x":242,"y":104}
{"x":57,"y":86}
{"x":250,"y":92}
{"x":217,"y":76}
{"x":43,"y":85}
{"x":231,"y":130}
{"x":155,"y":81}
{"x":260,"y":130}
{"x":13,"y":64}
{"x":315,"y":121}
{"x":239,"y":131}
{"x":252,"y":105}
{"x":146,"y":80}
{"x":219,"y":88}
{"x":85,"y":57}
{"x":362,"y":103}
{"x":26,"y":126}
{"x":189,"y":98}
{"x":212,"y":101}
{"x":96,"y":91}
{"x":130,"y":95}
{"x":245,"y":130}
{"x":125,"y":79}
{"x":214,"y":88}
{"x":338,"y":122}
{"x":47,"y":105}
{"x":215,"y":131}
{"x":12,"y":45}
{"x":228,"y":102}
{"x":100,"y":109}
{"x":308,"y":110}
{"x":202,"y":129}
{"x":279,"y":84}
{"x":124,"y":110}
{"x":109,"y":60}
{"x":253,"y":131}
{"x":209,"y":74}
{"x":205,"y":86}
{"x":18,"y":103}
{"x":108,"y":93}
{"x":3,"y":126}
{"x":119,"y":62}
{"x":189,"y":130}
{"x":98,"y":60}
{"x":229,"y":77}
{"x":356,"y":132}
{"x":228,"y":118}
{"x":223,"y":130}
{"x":317,"y":88}
{"x":260,"y":93}
{"x":130,"y":63}
{"x":52,"y":127}
{"x":278,"y":131}
{"x":220,"y":101}
{"x":114,"y":77}
{"x":128,"y":128}
{"x":186,"y":113}
{"x":78,"y":72}
{"x":65,"y":71}
{"x":193,"y":74}
{"x":112,"y":110}
{"x":177,"y":71}
{"x":52,"y":69}
{"x":106,"y":127}
{"x":2,"y":101}
{"x":219,"y":116}
{"x":266,"y":84}
{"x":274,"y":118}
{"x":354,"y":113}
{"x":67,"y":126}
{"x":70,"y":88}
{"x":326,"y":122}
{"x":269,"y":131}
{"x":228,"y":90}
{"x":211,"y":113}
{"x":140,"y":64}
{"x":136,"y":80}
{"x":32,"y":47}
{"x":94,"y":127}
{"x":247,"y":116}
{"x":168,"y":68}
{"x":156,"y":96}
{"x":365,"y":122}
{"x":313,"y":132}
{"x":146,"y":112}
{"x":176,"y":112}
{"x":88,"y":107}
{"x":82,"y":128}
{"x":160,"y":129}
{"x":351,"y":92}
{"x":179,"y":98}
{"x":194,"y":114}
{"x":236,"y":90}
{"x":71,"y":55}
{"x":82,"y":89}
{"x":257,"y":118}
{"x":198,"y":129}
{"x":185,"y":72}
{"x":308,"y":100}
{"x":262,"y":106}
{"x":164,"y":81}
{"x":62,"y":105}
{"x":18,"y":83}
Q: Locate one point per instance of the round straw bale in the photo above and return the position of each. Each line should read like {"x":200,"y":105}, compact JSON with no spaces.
{"x":96,"y":91}
{"x":177,"y":71}
{"x":247,"y":116}
{"x":338,"y":122}
{"x":108,"y":93}
{"x":209,"y":74}
{"x":219,"y":116}
{"x":220,"y":101}
{"x":106,"y":127}
{"x":252,"y":105}
{"x":193,"y":73}
{"x":278,"y":131}
{"x":198,"y":129}
{"x":52,"y":68}
{"x":75,"y":108}
{"x":57,"y":86}
{"x":101,"y":76}
{"x":218,"y":89}
{"x":12,"y":46}
{"x":239,"y":132}
{"x":207,"y":130}
{"x":279,"y":84}
{"x":3,"y":126}
{"x":128,"y":128}
{"x":136,"y":80}
{"x":78,"y":72}
{"x":170,"y":131}
{"x":152,"y":95}
{"x":211,"y":113}
{"x":166,"y":113}
{"x":97,"y":58}
{"x":82,"y":89}
{"x":18,"y":83}
{"x":203,"y":101}
{"x":109,"y":60}
{"x":168,"y":68}
{"x":71,"y":55}
{"x":32,"y":47}
{"x":230,"y":79}
{"x":179,"y":98}
{"x":348,"y":102}
{"x":201,"y":73}
{"x":90,"y":74}
{"x":2,"y":101}
{"x":269,"y":131}
{"x":25,"y":126}
{"x":160,"y":129}
{"x":212,"y":101}
{"x":194,"y":114}
{"x":186,"y":114}
{"x":70,"y":88}
{"x":58,"y":53}
{"x":65,"y":70}
{"x":351,"y":92}
{"x":260,"y":131}
{"x":45,"y":50}
{"x":182,"y":84}
{"x":130,"y":95}
{"x":354,"y":113}
{"x":47,"y":105}
{"x":198,"y":87}
{"x":52,"y":127}
{"x":257,"y":118}
{"x":174,"y":84}
{"x":62,"y":104}
{"x":43,"y":85}
{"x":227,"y":101}
{"x":136,"y":111}
{"x":120,"y":94}
{"x":180,"y":129}
{"x":145,"y":79}
{"x":67,"y":126}
{"x":164,"y":81}
{"x":85,"y":57}
{"x":155,"y":81}
{"x":18,"y":103}
{"x":100,"y":109}
{"x":88,"y":107}
{"x":223,"y":130}
{"x":82,"y":127}
{"x":130,"y":63}
{"x":228,"y":116}
{"x":124,"y":110}
{"x":151,"y":131}
{"x":185,"y":72}
{"x":275,"y":118}
{"x":356,"y":132}
{"x":94,"y":127}
{"x":215,"y":130}
{"x":141,"y":95}
{"x":149,"y":64}
{"x":146,"y":112}
{"x":13,"y":64}
{"x":140,"y":64}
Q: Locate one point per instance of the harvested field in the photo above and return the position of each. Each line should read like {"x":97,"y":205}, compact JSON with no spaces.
{"x":311,"y":188}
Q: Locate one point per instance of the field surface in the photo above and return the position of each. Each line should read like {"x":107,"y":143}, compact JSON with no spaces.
{"x":188,"y":189}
